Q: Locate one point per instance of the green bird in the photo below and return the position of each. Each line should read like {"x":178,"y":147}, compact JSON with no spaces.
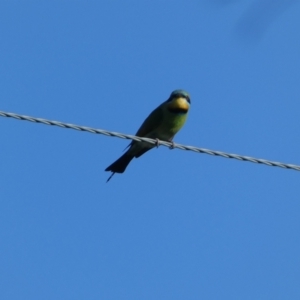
{"x":162,"y":124}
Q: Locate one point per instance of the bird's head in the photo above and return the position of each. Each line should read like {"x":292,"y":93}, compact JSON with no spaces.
{"x":179,"y":102}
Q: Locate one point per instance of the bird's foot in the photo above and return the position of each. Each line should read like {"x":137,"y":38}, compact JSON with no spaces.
{"x":172,"y":146}
{"x":157,"y":143}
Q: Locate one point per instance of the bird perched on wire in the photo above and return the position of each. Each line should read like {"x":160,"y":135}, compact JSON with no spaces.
{"x":162,"y":124}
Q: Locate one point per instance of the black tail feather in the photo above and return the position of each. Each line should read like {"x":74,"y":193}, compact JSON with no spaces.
{"x":120,"y":164}
{"x":108,"y":179}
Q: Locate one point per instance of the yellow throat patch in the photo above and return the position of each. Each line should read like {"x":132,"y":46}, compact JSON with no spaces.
{"x":179,"y":105}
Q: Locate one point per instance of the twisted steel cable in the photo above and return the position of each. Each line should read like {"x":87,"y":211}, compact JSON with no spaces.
{"x":151,"y":141}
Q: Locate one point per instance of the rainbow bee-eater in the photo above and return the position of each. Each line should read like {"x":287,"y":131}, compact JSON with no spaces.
{"x":162,"y":124}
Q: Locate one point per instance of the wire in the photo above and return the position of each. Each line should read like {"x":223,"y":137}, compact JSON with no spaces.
{"x":151,"y":141}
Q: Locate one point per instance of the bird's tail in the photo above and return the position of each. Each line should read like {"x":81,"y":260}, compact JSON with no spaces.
{"x":120,"y":164}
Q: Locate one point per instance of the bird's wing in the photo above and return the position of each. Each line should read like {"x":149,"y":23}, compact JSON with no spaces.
{"x":153,"y":121}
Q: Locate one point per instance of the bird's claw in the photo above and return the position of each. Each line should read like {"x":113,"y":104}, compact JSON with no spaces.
{"x":172,"y":146}
{"x":157,"y":143}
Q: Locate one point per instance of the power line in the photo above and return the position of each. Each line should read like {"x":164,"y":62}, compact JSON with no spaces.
{"x":151,"y":141}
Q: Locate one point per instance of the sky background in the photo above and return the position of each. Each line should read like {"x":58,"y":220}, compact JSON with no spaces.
{"x":176,"y":224}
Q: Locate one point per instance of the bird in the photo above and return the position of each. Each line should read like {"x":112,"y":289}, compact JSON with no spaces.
{"x":162,"y":124}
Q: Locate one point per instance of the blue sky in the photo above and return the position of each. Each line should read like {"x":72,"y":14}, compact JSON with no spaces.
{"x":176,"y":224}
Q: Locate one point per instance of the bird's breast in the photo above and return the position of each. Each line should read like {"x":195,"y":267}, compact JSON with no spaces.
{"x":171,"y":125}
